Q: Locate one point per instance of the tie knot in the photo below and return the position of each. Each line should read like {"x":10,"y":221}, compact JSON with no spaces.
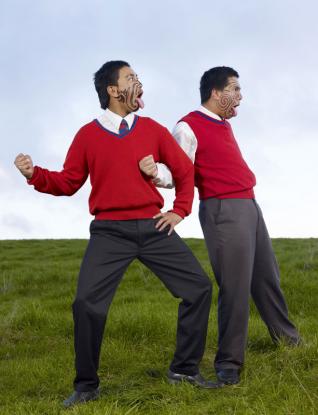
{"x":123,"y":128}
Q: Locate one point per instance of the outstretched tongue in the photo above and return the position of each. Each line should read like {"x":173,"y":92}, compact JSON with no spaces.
{"x":140,"y":103}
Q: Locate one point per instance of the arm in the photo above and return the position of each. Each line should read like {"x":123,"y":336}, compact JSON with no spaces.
{"x":160,"y":173}
{"x":163,"y":177}
{"x":182,"y":171}
{"x":63,"y":183}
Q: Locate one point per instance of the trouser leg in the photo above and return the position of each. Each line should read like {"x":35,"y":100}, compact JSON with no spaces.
{"x":106,"y":259}
{"x":173,"y":262}
{"x":229,"y":231}
{"x":266,"y":290}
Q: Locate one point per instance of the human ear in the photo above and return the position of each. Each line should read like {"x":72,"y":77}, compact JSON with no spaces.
{"x":112,"y":90}
{"x":215,"y":94}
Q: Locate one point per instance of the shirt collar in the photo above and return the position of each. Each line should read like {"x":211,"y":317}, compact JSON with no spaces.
{"x":209,"y":113}
{"x":116,"y":119}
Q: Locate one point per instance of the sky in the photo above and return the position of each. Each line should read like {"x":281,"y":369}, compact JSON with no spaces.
{"x":50,"y":51}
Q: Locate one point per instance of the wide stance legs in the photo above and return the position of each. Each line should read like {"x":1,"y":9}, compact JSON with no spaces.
{"x":112,"y":247}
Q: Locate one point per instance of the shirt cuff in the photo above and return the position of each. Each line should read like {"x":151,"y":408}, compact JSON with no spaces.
{"x":164,"y":177}
{"x":160,"y":174}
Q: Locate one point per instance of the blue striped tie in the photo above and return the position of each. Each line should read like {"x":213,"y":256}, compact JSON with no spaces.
{"x":123,"y":128}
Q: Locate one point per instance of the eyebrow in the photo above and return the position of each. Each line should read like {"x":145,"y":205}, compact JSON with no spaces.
{"x":131,"y":74}
{"x":233,"y":84}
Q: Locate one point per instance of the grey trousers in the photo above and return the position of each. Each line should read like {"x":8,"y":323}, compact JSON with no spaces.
{"x":244,"y":264}
{"x":112,"y":247}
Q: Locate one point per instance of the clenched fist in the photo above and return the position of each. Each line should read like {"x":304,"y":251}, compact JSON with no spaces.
{"x":24,"y":163}
{"x":148,"y":166}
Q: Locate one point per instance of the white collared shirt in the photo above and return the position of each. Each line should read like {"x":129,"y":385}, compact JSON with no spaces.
{"x":111,"y":121}
{"x":187,"y":140}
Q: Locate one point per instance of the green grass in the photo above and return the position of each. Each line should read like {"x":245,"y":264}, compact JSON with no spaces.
{"x":37,"y":285}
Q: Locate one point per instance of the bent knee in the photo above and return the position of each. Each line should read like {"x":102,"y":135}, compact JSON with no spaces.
{"x":205,"y":286}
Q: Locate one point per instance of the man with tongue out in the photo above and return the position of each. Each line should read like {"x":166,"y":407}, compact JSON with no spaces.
{"x":236,"y":237}
{"x":128,"y":224}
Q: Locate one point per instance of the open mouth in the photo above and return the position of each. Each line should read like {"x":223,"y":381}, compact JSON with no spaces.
{"x":139,"y":100}
{"x":234,"y":110}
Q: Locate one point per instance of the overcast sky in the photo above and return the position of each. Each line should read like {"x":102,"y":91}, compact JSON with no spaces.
{"x":50,"y":50}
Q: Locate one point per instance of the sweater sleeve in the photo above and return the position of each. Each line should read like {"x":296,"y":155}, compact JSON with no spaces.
{"x":182,"y":171}
{"x":70,"y":179}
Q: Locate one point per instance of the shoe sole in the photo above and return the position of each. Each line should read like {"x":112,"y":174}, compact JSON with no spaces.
{"x":229,"y":382}
{"x":80,"y":402}
{"x":179,"y":381}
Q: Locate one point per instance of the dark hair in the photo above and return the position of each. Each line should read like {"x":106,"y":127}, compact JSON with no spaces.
{"x":107,"y":75}
{"x":215,"y":78}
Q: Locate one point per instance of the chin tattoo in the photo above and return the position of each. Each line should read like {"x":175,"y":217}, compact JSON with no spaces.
{"x":226,"y":104}
{"x":128,"y":96}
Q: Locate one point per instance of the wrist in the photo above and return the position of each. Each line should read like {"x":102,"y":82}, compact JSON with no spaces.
{"x":29,"y":175}
{"x":155,"y":174}
{"x":178,"y":212}
{"x":33,"y":175}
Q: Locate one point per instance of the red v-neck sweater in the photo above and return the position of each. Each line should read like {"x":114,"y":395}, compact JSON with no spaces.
{"x":220,"y":170}
{"x":119,"y":189}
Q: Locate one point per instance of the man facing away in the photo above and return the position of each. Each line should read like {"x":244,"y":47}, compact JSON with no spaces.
{"x":128,"y":224}
{"x":235,"y":233}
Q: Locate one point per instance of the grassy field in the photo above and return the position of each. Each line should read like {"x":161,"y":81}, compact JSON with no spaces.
{"x":37,"y":285}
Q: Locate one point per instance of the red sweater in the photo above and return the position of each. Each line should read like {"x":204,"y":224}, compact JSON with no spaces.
{"x":220,"y":170}
{"x":119,"y":190}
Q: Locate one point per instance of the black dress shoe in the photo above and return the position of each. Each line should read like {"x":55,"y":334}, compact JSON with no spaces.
{"x":81,"y":397}
{"x":228,"y":376}
{"x":196,"y":380}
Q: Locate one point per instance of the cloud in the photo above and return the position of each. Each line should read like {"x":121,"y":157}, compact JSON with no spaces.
{"x":13,"y":222}
{"x":50,"y":50}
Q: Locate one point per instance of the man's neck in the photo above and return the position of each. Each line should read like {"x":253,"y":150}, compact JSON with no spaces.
{"x":210,"y":113}
{"x":117,"y":109}
{"x":212,"y":108}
